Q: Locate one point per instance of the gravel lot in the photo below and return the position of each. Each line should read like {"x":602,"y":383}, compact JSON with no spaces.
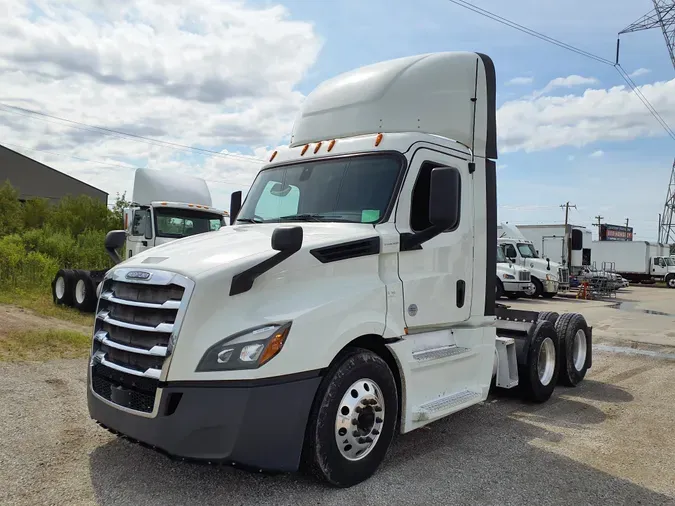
{"x":609,"y":441}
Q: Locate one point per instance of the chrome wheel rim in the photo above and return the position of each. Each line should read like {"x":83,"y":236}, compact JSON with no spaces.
{"x":359,"y":420}
{"x":546,"y":362}
{"x":79,"y":291}
{"x":60,"y":287}
{"x":579,"y":350}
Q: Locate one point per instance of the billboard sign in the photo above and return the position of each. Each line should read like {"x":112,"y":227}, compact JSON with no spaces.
{"x":615,"y":233}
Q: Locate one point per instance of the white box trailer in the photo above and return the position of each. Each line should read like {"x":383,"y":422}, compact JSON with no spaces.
{"x":635,"y":260}
{"x":549,"y":241}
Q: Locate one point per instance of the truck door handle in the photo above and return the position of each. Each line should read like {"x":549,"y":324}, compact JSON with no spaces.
{"x":461,"y":292}
{"x":145,"y":243}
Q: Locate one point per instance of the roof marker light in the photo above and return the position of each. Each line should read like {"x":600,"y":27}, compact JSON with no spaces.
{"x":378,"y":139}
{"x":330,"y":146}
{"x":304,"y":150}
{"x":317,"y":148}
{"x":273,"y":155}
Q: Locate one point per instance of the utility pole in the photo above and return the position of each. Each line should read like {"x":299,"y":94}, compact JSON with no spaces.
{"x":565,"y":249}
{"x":598,"y":224}
{"x":626,"y":228}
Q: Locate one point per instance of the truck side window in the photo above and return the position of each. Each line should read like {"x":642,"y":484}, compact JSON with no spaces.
{"x":510,"y":251}
{"x":139,"y":216}
{"x":419,"y":205}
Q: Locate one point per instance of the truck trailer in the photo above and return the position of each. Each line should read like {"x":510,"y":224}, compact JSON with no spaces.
{"x":637,"y":261}
{"x":164,"y":207}
{"x":352,"y":297}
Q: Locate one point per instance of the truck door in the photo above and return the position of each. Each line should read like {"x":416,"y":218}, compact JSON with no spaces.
{"x":659,"y":266}
{"x":437,"y":277}
{"x":139,"y":236}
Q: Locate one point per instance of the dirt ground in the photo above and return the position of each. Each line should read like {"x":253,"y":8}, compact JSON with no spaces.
{"x":608,"y":441}
{"x":13,"y":318}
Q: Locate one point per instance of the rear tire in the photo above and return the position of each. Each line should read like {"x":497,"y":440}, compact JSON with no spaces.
{"x":539,"y":375}
{"x":84,"y":292}
{"x":575,"y":348}
{"x":341,"y":424}
{"x":550,"y":316}
{"x":62,"y":287}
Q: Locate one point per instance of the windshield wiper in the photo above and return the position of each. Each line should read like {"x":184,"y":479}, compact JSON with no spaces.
{"x":249,"y":220}
{"x":303,"y":217}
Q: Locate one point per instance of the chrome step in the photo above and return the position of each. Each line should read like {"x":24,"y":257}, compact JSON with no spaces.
{"x":442,"y":405}
{"x":438,"y":353}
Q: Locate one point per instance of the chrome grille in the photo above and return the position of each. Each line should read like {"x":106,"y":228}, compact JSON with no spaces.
{"x":137,"y":324}
{"x":563,"y":275}
{"x":524,"y":276}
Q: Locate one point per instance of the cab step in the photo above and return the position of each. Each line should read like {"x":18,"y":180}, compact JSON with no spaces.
{"x":445,"y":405}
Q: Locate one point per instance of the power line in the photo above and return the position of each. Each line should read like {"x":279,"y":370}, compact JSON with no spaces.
{"x":109,"y":165}
{"x":41,"y":116}
{"x":569,"y":47}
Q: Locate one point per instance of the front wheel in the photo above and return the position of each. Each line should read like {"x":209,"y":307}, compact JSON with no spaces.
{"x":537,"y":288}
{"x":353,"y":419}
{"x":670,"y":281}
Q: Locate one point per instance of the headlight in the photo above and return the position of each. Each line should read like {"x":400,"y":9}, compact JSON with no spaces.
{"x":248,"y":349}
{"x":508,"y":276}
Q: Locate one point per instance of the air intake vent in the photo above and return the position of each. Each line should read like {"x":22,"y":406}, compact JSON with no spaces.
{"x":347,"y":250}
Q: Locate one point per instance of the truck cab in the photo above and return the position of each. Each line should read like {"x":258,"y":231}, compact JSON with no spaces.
{"x":352,"y":295}
{"x":545,"y":274}
{"x":512,"y":280}
{"x":663,"y":267}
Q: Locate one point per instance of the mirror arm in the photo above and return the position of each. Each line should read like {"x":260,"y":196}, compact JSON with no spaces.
{"x":414,"y":241}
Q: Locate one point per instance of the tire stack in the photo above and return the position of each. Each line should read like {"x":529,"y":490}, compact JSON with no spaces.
{"x":76,"y":288}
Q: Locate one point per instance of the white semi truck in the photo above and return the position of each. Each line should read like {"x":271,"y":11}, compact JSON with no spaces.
{"x":512,"y":280}
{"x":548,"y":277}
{"x":637,"y":261}
{"x":570,"y":248}
{"x":164,"y":207}
{"x":353,"y":296}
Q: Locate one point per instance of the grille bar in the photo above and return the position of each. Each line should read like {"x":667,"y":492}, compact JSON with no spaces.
{"x":169,"y":304}
{"x":99,"y":357}
{"x":162,"y":327}
{"x":156,"y":351}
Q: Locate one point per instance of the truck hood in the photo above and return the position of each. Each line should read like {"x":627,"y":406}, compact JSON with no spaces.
{"x":192,"y":256}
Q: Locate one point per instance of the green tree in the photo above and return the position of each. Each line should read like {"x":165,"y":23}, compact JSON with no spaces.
{"x":35,"y":213}
{"x":11,"y":212}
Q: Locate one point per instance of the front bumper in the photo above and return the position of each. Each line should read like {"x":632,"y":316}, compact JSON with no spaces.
{"x":516,"y":286}
{"x":259,"y":426}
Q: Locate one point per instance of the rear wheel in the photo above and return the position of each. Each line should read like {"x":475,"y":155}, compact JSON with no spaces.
{"x":62,"y":287}
{"x":84,"y":292}
{"x":550,"y":316}
{"x":353,"y":419}
{"x":575,"y":348}
{"x":539,"y":375}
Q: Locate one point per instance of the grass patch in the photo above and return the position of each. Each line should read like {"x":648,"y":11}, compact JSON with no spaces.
{"x":42,"y":345}
{"x":41,"y":302}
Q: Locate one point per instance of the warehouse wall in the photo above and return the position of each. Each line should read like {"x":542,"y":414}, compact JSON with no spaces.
{"x":34,"y":179}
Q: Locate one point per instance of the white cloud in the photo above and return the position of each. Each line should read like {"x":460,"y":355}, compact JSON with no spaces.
{"x":614,"y":114}
{"x":565,"y":82}
{"x":597,"y":154}
{"x":210,"y":74}
{"x":517,"y":81}
{"x":639,"y":72}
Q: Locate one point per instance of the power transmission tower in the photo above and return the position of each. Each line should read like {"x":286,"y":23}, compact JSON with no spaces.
{"x":663,"y":16}
{"x":667,"y":225}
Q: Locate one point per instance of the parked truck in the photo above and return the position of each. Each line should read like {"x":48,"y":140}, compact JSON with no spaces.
{"x":512,"y":280}
{"x":353,"y":296}
{"x":548,"y":277}
{"x":637,"y":261}
{"x":571,"y":247}
{"x":164,"y":207}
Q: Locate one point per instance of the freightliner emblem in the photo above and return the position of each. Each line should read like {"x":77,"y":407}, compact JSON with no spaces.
{"x":142,"y":275}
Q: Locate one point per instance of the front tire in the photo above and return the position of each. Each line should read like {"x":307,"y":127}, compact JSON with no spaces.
{"x":353,"y":419}
{"x":538,"y":288}
{"x":670,"y":281}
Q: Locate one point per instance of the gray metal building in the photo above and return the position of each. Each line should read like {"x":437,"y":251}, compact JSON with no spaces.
{"x":34,"y":179}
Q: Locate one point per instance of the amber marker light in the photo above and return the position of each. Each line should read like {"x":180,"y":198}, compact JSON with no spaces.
{"x":304,"y":150}
{"x":274,"y":345}
{"x":317,"y":148}
{"x":273,"y":155}
{"x":378,"y":139}
{"x":331,"y":144}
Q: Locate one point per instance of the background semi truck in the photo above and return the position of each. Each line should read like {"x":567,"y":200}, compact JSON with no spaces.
{"x":353,"y":297}
{"x":513,"y":281}
{"x":637,"y":261}
{"x":164,"y":207}
{"x":547,"y":276}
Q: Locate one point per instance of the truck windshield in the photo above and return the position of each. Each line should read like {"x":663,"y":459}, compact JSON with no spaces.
{"x":527,"y":250}
{"x":670,"y":261}
{"x":176,"y":223}
{"x":355,"y":189}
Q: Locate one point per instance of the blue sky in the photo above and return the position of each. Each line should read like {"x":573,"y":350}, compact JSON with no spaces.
{"x":230,"y":76}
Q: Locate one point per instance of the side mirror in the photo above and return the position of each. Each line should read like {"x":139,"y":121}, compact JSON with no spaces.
{"x":235,"y":206}
{"x":113,"y":241}
{"x":445,"y":198}
{"x":287,"y":239}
